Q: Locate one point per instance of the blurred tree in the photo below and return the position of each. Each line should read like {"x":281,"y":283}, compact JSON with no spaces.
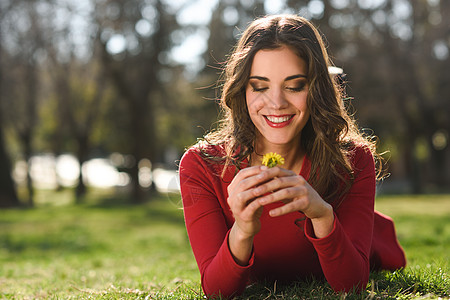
{"x":398,"y":41}
{"x":184,"y":118}
{"x":79,"y":88}
{"x":80,"y":91}
{"x":228,"y":20}
{"x":136,"y":37}
{"x":8,"y":196}
{"x":395,"y":54}
{"x":24,"y":43}
{"x":43,"y":32}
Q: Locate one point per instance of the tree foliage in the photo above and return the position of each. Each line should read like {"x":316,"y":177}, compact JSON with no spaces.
{"x":110,"y":76}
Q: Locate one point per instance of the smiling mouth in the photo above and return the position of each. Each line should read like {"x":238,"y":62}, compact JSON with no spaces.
{"x":278,"y":121}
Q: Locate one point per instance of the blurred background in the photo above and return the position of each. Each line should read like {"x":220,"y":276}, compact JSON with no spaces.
{"x":109,"y":93}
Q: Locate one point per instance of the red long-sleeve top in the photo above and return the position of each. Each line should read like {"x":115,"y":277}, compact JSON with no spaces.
{"x":286,"y":249}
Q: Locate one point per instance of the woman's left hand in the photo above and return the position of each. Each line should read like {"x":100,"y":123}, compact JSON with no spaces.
{"x":298,"y":195}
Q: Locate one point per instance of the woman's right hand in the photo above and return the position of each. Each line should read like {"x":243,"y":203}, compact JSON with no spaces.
{"x":241,"y":196}
{"x":246,"y":212}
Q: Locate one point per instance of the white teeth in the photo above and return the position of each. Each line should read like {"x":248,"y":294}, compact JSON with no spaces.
{"x":278,"y":119}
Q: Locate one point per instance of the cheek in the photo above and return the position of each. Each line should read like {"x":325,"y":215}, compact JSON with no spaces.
{"x":301,"y":103}
{"x":254,"y":102}
{"x":304,"y":106}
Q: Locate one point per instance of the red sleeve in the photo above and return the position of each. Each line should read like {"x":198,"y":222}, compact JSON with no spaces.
{"x":344,"y":253}
{"x":207,"y":228}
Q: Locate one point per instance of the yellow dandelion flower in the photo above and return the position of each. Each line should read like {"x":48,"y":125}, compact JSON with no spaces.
{"x":272,"y":159}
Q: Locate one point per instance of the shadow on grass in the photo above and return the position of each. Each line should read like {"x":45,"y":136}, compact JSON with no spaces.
{"x":155,"y":208}
{"x":71,"y":228}
{"x":65,"y":240}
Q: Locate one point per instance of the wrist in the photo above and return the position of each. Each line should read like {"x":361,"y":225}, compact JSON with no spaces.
{"x":240,"y":236}
{"x":323,"y":225}
{"x":240,"y":245}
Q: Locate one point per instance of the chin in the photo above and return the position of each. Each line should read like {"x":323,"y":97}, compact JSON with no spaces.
{"x":279,"y":142}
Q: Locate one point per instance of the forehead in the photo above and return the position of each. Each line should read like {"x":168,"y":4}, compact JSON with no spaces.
{"x":277,"y":63}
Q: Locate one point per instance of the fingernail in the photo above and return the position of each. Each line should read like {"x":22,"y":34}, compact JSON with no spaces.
{"x":262,"y":168}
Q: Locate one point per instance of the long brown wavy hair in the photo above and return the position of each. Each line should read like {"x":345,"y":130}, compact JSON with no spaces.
{"x":330,"y":132}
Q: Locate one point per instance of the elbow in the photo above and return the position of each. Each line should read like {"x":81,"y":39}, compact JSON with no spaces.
{"x":220,"y":289}
{"x":218,"y":293}
{"x":212,"y":292}
{"x":350,"y":287}
{"x":355,"y":281}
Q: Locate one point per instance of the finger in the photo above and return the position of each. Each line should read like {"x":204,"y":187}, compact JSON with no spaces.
{"x":244,"y":195}
{"x":279,"y":183}
{"x":292,"y":206}
{"x":284,"y":194}
{"x":251,"y":210}
{"x":272,"y":177}
{"x":278,"y":172}
{"x":240,"y":180}
{"x":241,"y":200}
{"x":250,"y":171}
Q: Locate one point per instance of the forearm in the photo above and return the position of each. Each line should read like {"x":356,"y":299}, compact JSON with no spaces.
{"x":223,"y":275}
{"x":343,"y":264}
{"x":323,"y":225}
{"x":240,"y":246}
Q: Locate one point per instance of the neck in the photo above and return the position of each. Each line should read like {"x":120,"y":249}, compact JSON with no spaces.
{"x":293,"y":155}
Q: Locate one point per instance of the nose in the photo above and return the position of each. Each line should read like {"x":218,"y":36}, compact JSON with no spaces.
{"x":277,"y":99}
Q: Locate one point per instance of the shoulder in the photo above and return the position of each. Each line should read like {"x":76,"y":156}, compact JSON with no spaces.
{"x":202,"y":154}
{"x":359,"y":152}
{"x":360,"y":157}
{"x":203,"y":150}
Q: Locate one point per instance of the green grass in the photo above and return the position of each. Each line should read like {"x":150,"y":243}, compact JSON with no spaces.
{"x":105,"y":249}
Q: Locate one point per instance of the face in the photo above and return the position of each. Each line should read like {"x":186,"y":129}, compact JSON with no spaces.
{"x":276,"y":97}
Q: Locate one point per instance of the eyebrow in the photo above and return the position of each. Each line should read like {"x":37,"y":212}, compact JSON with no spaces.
{"x":286,"y":79}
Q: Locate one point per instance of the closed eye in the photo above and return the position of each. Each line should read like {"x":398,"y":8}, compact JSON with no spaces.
{"x":259,"y":89}
{"x":297,"y":88}
{"x":256,"y":88}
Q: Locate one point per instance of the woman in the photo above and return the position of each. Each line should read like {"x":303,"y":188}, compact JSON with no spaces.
{"x":311,"y":217}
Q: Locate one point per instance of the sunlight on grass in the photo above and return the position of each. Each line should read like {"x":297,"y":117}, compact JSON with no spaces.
{"x":67,"y":249}
{"x":422,"y":224}
{"x":409,"y":205}
{"x":107,"y":249}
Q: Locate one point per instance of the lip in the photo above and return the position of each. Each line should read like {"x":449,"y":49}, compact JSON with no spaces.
{"x":278,"y":124}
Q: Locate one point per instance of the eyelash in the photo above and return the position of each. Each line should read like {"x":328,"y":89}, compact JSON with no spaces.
{"x":254,"y":89}
{"x":291,"y":89}
{"x":296,"y":89}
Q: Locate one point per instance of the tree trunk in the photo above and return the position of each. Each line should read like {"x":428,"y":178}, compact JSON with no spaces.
{"x":143,"y":142}
{"x":8,"y":196}
{"x":26,"y":142}
{"x":439,"y":163}
{"x":82,"y":156}
{"x":412,"y":166}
